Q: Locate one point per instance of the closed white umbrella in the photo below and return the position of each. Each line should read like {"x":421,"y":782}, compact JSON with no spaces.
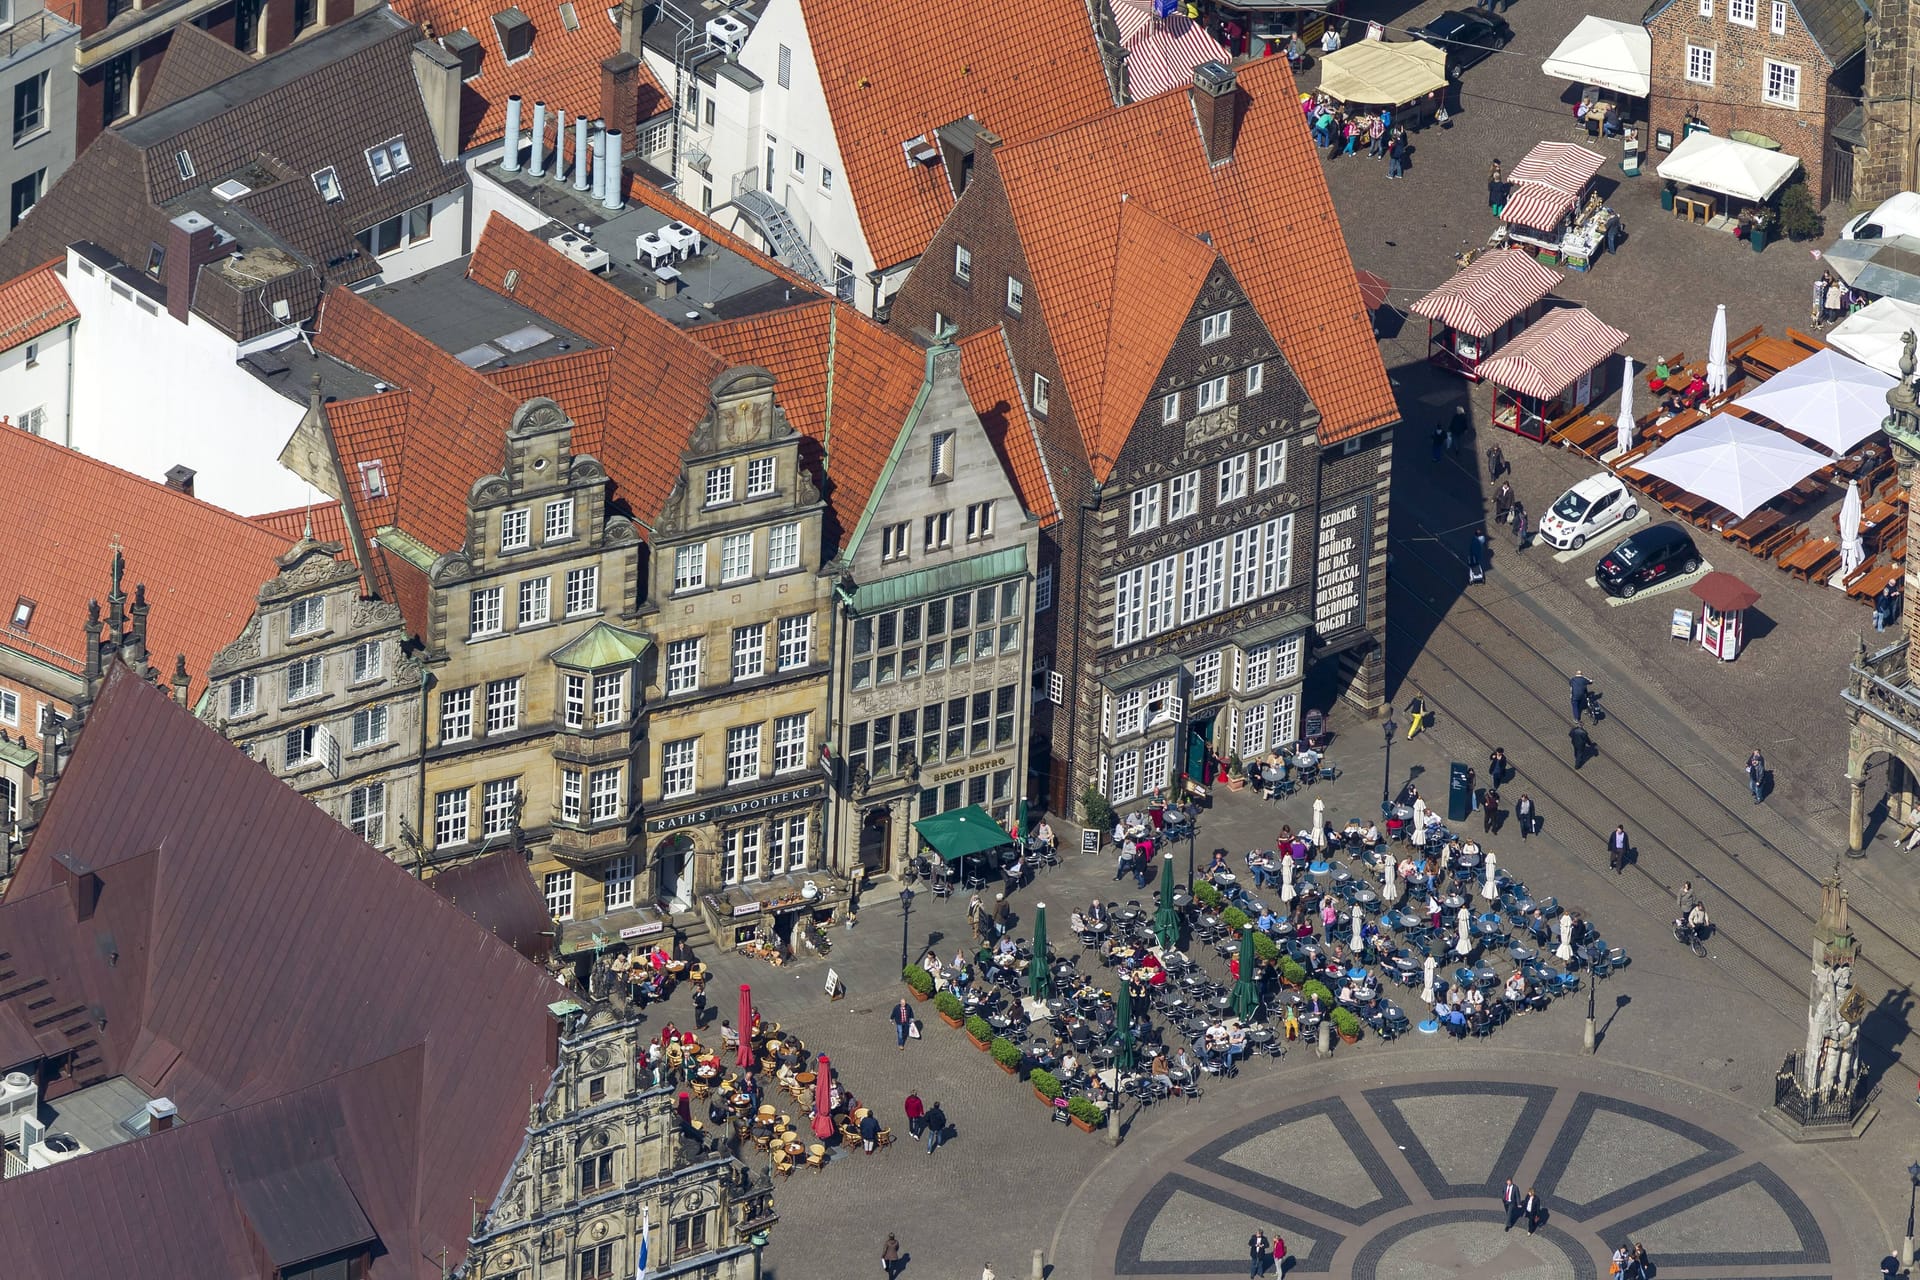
{"x":1319,"y":824}
{"x":1426,"y":992}
{"x":1359,"y":936}
{"x":1623,"y":430}
{"x":1851,"y":550}
{"x":1464,"y":919}
{"x":1286,"y":877}
{"x":1389,"y":891}
{"x":1717,"y":353}
{"x":1565,"y":951}
{"x":1491,"y":889}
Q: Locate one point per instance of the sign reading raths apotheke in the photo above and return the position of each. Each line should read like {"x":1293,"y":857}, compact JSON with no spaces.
{"x":734,"y":808}
{"x":1340,"y":568}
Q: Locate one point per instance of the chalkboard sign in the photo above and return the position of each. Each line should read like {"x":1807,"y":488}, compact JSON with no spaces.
{"x":1682,"y":626}
{"x":1089,"y":841}
{"x":1459,"y":792}
{"x":834,"y":989}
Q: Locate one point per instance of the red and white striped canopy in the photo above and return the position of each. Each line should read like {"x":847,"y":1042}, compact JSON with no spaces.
{"x":1161,"y":53}
{"x":1547,"y":183}
{"x":1549,"y":355}
{"x":1489,"y":293}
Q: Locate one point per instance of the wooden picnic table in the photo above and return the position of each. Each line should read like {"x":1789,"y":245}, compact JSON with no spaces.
{"x":1869,"y":584}
{"x":1810,"y":557}
{"x":1590,"y":432}
{"x":1690,"y":505}
{"x":1755,"y":527}
{"x":1674,"y":426}
{"x":1768,"y":356}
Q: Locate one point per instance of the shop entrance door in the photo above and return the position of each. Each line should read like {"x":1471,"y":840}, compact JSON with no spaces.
{"x":1199,"y":733}
{"x":876,"y":839}
{"x":675,"y":855}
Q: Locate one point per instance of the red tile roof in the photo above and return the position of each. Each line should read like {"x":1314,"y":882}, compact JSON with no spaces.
{"x":886,"y":84}
{"x":329,"y":524}
{"x":33,"y":304}
{"x":1266,"y":209}
{"x":201,"y":565}
{"x":986,"y":366}
{"x":563,"y":70}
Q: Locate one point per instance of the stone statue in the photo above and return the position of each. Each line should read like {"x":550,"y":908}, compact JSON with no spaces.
{"x":1903,"y":412}
{"x":1829,"y":1068}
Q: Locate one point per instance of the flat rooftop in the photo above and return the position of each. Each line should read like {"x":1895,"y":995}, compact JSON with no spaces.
{"x":101,"y":1115}
{"x":471,"y":322}
{"x":290,"y":369}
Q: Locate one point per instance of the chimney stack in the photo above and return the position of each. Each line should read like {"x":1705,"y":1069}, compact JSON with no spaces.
{"x":1217,"y":105}
{"x":180,"y":477}
{"x":510,"y":160}
{"x":83,"y":884}
{"x":439,"y":73}
{"x":582,"y":144}
{"x":615,"y":194}
{"x":620,"y":93}
{"x":190,"y":245}
{"x":181,"y":682}
{"x":537,"y":168}
{"x":161,"y":1114}
{"x":599,"y":159}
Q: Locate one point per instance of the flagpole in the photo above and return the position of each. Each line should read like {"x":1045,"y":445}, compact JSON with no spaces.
{"x":646,"y":1229}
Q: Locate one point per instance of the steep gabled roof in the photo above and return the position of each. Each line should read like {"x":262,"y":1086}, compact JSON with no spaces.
{"x":1266,"y":211}
{"x":196,"y":59}
{"x":986,"y":366}
{"x":201,"y":565}
{"x":329,"y":523}
{"x":886,"y":86}
{"x":33,"y":304}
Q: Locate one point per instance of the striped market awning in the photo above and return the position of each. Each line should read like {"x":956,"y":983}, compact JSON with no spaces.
{"x":1489,"y":293}
{"x":1161,"y":53}
{"x":1549,"y":355}
{"x":1547,"y":183}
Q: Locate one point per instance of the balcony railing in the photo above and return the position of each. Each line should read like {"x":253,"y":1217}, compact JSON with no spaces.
{"x":1878,"y":684}
{"x":30,"y":31}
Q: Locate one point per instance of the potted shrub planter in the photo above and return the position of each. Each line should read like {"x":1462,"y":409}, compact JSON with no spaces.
{"x":1046,"y":1086}
{"x":1346,"y":1025}
{"x":980,"y":1033}
{"x":948,"y":1006}
{"x":1084,"y":1115}
{"x":918,"y":981}
{"x":1006,"y":1055}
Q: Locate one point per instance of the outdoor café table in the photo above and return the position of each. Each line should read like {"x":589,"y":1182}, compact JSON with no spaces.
{"x":1222,"y":1003}
{"x":1366,"y":897}
{"x":1096,"y":926}
{"x":1453,"y":902}
{"x":1468,"y":860}
{"x":1755,"y":527}
{"x":804,"y":1077}
{"x":1128,"y":914}
{"x":1485,"y":977}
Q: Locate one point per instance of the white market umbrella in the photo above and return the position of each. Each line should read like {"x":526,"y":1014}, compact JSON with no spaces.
{"x":1829,"y":398}
{"x":1610,"y":55}
{"x":1851,"y":550}
{"x":1728,"y":166}
{"x":1286,"y":877}
{"x":1623,"y":429}
{"x":1732,"y":462}
{"x":1359,"y":935}
{"x":1464,"y":919}
{"x":1319,"y":824}
{"x":1717,"y":353}
{"x":1872,"y":334}
{"x":1491,"y":889}
{"x":1565,"y":951}
{"x":1426,"y":991}
{"x":1420,"y":813}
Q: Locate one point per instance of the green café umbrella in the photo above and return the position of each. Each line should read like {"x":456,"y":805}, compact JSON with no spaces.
{"x":1125,"y":1054}
{"x":1166,"y":921}
{"x":1246,"y":995}
{"x":1038,"y":972}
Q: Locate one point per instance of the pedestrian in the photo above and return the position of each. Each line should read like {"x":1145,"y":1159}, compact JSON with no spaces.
{"x":1757,"y":775}
{"x":1683,"y":899}
{"x":1490,"y":810}
{"x":1416,"y":715}
{"x":1503,"y":501}
{"x":1531,"y":1207}
{"x":869,"y":1131}
{"x":1519,"y":526}
{"x":936,"y":1127}
{"x":1456,"y":428}
{"x":1497,"y":767}
{"x":1259,"y":1250}
{"x":1002,"y":914}
{"x":1577,"y":691}
{"x":1637,"y":1259}
{"x":986,"y":1272}
{"x":916,"y":1112}
{"x":1279,"y":1255}
{"x":1523,"y":813}
{"x":1582,"y":744}
{"x":1439,"y":442}
{"x":1496,"y":189}
{"x":1618,"y":848}
{"x":902,"y":1020}
{"x":1331,"y":40}
{"x":890,"y":1256}
{"x":1496,"y":462}
{"x":1836,"y":301}
{"x":1613,"y":222}
{"x":1478,"y":556}
{"x":1510,"y":1201}
{"x":1397,"y":154}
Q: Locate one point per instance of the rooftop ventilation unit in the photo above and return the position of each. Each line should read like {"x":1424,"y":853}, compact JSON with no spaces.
{"x":583,"y":251}
{"x":55,"y":1148}
{"x":19,"y":1099}
{"x":727,"y":32}
{"x":232,"y":189}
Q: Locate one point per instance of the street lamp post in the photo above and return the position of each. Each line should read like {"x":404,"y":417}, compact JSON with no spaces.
{"x":1906,"y":1248}
{"x":1591,"y":1038}
{"x":906,"y":913}
{"x":1190,"y":839}
{"x":1386,"y":771}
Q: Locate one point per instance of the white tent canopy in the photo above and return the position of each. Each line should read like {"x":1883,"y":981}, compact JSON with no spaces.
{"x":1612,"y":55}
{"x":1733,"y":462}
{"x":1872,"y":334}
{"x":1737,"y":169}
{"x":1828,"y":398}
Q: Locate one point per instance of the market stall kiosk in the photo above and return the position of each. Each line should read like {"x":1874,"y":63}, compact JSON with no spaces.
{"x":1724,"y":600}
{"x":1474,"y":314}
{"x":1722,"y":174}
{"x":1269,"y":25}
{"x":1160,"y":50}
{"x":1549,"y":186}
{"x":1550,"y":369}
{"x":1409,"y":77}
{"x":1612,"y":61}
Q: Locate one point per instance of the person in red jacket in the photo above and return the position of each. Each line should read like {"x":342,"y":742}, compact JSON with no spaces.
{"x":916,"y":1111}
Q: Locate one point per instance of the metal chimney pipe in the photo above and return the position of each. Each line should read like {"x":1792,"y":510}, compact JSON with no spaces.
{"x":511,"y":162}
{"x":538,"y":168}
{"x":582,"y":144}
{"x":616,"y":190}
{"x":559,"y":144}
{"x":599,"y":159}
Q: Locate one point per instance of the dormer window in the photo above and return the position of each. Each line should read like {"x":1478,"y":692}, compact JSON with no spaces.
{"x":327,"y":183}
{"x":1216,"y":326}
{"x":389,"y":159}
{"x":373,"y":478}
{"x":22,"y":613}
{"x":185,"y":164}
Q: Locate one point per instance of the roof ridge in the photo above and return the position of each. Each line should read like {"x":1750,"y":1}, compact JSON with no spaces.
{"x":157,"y":486}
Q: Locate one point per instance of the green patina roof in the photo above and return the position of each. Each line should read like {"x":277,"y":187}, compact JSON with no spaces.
{"x":1284,"y":625}
{"x":600,"y":646}
{"x":407,"y":547}
{"x":922,"y":584}
{"x":893,"y":456}
{"x":18,"y":753}
{"x":963,"y":831}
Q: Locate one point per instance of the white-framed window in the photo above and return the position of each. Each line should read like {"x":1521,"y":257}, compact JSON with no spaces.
{"x":719,"y":485}
{"x":938,"y":531}
{"x":893,"y":542}
{"x":327,"y":183}
{"x":559,"y":892}
{"x":940,"y":455}
{"x":302,"y":746}
{"x":1270,"y":465}
{"x":783,"y":548}
{"x":1161,"y":594}
{"x":743,"y":753}
{"x":503,"y":705}
{"x":1286,"y":659}
{"x":1016,"y":295}
{"x":690,"y":567}
{"x":1233,"y":478}
{"x":572,"y":792}
{"x":573,"y":700}
{"x":1243,"y":567}
{"x":1210,"y":394}
{"x":1145,"y":513}
{"x":1183,"y":496}
{"x":676,"y":767}
{"x":683,"y":665}
{"x":369,"y":661}
{"x":962,"y":264}
{"x":1216,"y":326}
{"x":1043,"y":589}
{"x":979,"y":521}
{"x":1156,"y":760}
{"x":303,"y":678}
{"x":456,"y":715}
{"x":535,"y":600}
{"x":1782,"y":85}
{"x":583,"y":590}
{"x":1706,"y":8}
{"x":9,"y":707}
{"x":389,"y":159}
{"x":826,"y":178}
{"x":367,"y":812}
{"x":1170,"y":409}
{"x":796,"y":642}
{"x":1256,"y":672}
{"x":736,"y":556}
{"x":1253,"y":730}
{"x":762,"y":475}
{"x":603,"y":795}
{"x":1129,"y":713}
{"x":1203,"y":580}
{"x":1129,"y":601}
{"x":1743,"y":13}
{"x":1040,"y":386}
{"x":307,"y":616}
{"x":1256,"y":378}
{"x":740,"y":857}
{"x":499,"y":802}
{"x":788,"y":848}
{"x":558,"y":523}
{"x":1286,"y":719}
{"x":1206,"y":674}
{"x":799,"y":163}
{"x":242,"y":696}
{"x":369,"y":727}
{"x":1126,"y":777}
{"x":516,"y":530}
{"x":750,"y":651}
{"x":619,"y":882}
{"x":486,"y":612}
{"x":1276,"y":555}
{"x":1699,"y":64}
{"x":1779,"y":24}
{"x":450,"y":810}
{"x":789,"y":743}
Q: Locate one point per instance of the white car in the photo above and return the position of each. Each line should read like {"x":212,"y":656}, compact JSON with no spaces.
{"x":1589,"y":508}
{"x":1897,"y":215}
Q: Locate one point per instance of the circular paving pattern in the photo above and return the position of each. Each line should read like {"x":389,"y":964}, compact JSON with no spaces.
{"x":1404,"y":1181}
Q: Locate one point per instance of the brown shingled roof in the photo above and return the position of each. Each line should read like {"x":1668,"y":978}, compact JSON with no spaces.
{"x":196,"y":59}
{"x":33,"y":304}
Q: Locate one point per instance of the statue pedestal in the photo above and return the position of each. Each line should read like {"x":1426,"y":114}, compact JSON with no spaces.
{"x":1793,"y":1129}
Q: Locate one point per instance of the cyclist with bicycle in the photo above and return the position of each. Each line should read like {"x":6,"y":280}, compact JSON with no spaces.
{"x":1691,"y":925}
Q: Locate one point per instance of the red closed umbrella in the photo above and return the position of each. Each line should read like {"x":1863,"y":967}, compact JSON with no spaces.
{"x":746,"y":1027}
{"x":823,"y":1099}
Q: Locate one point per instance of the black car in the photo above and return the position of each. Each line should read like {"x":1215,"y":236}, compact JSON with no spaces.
{"x":1649,"y":556}
{"x":1468,"y":35}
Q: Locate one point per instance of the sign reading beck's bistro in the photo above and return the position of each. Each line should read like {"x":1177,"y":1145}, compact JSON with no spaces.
{"x":734,"y":808}
{"x":1340,"y":568}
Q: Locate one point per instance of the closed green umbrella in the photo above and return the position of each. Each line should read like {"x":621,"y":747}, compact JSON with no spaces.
{"x":1246,"y":995}
{"x":1166,"y":921}
{"x":1038,"y":975}
{"x":1126,"y":1053}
